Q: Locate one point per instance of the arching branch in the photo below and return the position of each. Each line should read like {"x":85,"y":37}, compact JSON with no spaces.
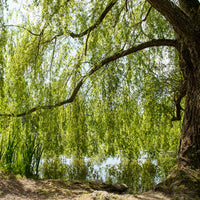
{"x":176,"y":17}
{"x":97,"y":66}
{"x":99,"y":20}
{"x":72,"y":34}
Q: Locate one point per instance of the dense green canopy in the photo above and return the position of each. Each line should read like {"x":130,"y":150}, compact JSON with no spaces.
{"x":85,"y":78}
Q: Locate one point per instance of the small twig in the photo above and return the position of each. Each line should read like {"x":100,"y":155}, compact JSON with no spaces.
{"x":126,"y":3}
{"x":38,"y":46}
{"x":51,"y":64}
{"x":86,"y":42}
{"x":53,"y":38}
{"x":17,"y":26}
{"x":148,"y":12}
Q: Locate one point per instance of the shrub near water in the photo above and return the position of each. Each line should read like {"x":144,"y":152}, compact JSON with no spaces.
{"x":53,"y":168}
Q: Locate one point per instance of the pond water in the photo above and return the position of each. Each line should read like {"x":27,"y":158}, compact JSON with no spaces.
{"x":139,"y":175}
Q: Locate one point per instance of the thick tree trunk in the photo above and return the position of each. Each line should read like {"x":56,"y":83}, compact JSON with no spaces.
{"x":184,"y":181}
{"x":189,"y":49}
{"x":189,"y":149}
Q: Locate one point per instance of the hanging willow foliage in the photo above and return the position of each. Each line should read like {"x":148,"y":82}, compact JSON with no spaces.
{"x":85,"y":52}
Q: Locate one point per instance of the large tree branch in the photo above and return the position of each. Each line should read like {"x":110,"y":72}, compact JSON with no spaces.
{"x":99,"y":20}
{"x":76,"y":35}
{"x":190,"y":7}
{"x":97,"y":66}
{"x":176,"y":17}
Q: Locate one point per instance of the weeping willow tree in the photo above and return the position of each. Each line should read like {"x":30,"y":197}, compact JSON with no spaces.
{"x":87,"y":77}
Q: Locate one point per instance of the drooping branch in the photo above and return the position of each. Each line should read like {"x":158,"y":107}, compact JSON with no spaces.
{"x":97,"y":66}
{"x":176,"y":17}
{"x":99,"y":20}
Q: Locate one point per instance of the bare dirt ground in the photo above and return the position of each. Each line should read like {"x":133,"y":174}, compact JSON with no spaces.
{"x":12,"y":188}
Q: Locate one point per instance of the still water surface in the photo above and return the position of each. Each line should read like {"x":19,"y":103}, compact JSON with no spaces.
{"x":139,"y":175}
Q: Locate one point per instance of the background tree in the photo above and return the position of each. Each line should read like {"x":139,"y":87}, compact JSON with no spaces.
{"x":136,"y":57}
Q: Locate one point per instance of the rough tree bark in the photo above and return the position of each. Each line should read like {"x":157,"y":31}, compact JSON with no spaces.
{"x":186,"y":23}
{"x":189,"y":51}
{"x":189,"y":149}
{"x":188,"y":37}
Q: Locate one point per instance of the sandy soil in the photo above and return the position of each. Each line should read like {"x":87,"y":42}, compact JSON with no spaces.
{"x":25,"y":189}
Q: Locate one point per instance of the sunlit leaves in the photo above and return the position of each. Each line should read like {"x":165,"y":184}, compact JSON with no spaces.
{"x":123,"y":109}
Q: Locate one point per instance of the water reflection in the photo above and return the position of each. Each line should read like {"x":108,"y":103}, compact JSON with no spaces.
{"x":137,"y":175}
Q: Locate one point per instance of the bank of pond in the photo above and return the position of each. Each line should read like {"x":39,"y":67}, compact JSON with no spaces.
{"x":139,"y":175}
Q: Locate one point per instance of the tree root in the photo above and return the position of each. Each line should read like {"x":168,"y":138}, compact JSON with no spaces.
{"x":181,"y":184}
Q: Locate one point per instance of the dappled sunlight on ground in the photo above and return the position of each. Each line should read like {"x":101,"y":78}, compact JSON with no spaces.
{"x":23,"y":189}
